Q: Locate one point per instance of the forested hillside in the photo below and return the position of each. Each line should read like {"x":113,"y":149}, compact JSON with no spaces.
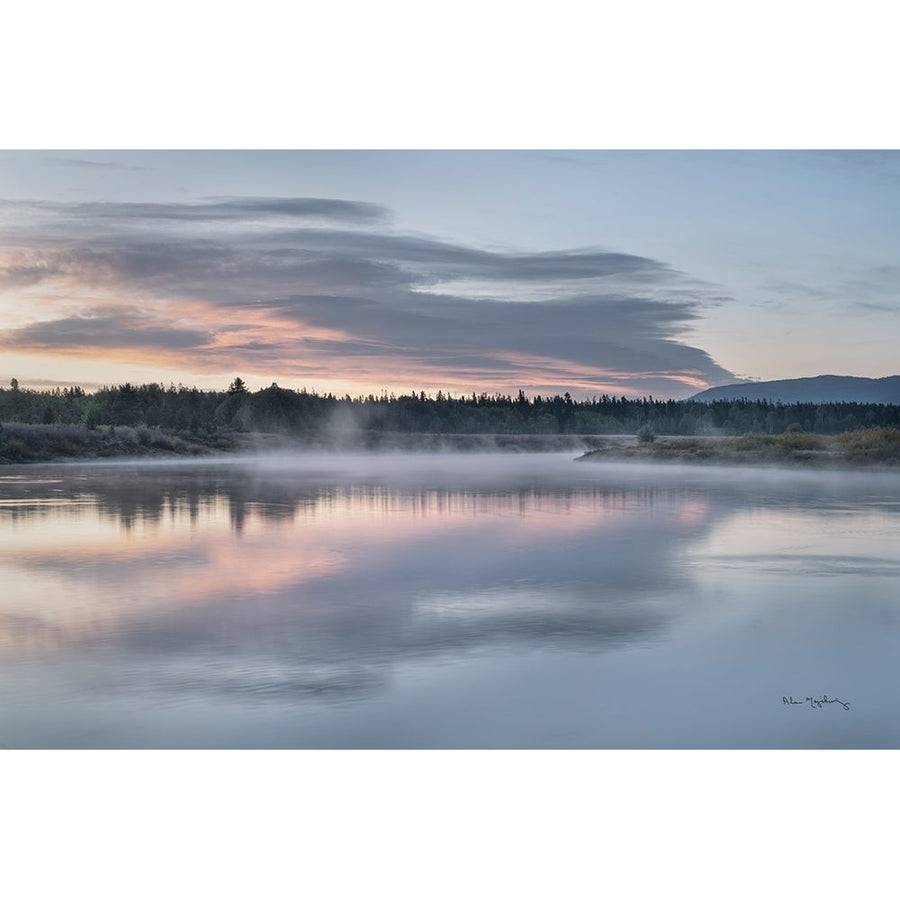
{"x":818,"y":389}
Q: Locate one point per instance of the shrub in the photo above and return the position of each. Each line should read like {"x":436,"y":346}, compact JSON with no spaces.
{"x":871,"y":444}
{"x":162,"y":441}
{"x":646,"y":435}
{"x":802,"y":440}
{"x":754,"y":441}
{"x":869,"y":439}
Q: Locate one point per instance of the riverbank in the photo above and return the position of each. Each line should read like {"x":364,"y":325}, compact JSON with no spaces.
{"x":20,"y":443}
{"x":852,"y":449}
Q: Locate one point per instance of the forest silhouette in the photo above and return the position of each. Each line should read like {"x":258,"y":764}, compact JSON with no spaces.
{"x":279,"y":410}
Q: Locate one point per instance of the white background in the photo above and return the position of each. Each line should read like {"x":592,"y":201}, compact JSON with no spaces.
{"x":462,"y":75}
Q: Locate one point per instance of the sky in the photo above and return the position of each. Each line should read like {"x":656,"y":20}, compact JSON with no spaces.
{"x":625,"y":272}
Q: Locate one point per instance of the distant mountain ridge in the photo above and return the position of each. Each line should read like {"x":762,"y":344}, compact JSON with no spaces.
{"x":818,"y":389}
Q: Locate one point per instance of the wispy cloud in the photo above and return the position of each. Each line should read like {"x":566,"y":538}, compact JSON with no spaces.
{"x":874,"y":307}
{"x":882,"y":166}
{"x":75,"y":163}
{"x":215,"y":209}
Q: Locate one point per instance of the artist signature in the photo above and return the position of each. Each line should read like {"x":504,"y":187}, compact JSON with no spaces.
{"x":814,"y":702}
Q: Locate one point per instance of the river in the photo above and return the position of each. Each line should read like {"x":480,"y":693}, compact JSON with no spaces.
{"x":449,"y":601}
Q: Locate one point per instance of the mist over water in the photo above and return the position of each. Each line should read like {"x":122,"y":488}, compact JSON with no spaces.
{"x":446,"y":600}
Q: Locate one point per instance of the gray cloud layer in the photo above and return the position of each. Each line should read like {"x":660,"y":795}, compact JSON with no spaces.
{"x":605,"y":317}
{"x":109,"y":331}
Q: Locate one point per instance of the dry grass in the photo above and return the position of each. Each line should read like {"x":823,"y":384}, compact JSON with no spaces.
{"x":793,"y":441}
{"x":868,"y":446}
{"x":874,"y":444}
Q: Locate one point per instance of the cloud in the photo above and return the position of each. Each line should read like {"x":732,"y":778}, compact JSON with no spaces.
{"x":455,"y":261}
{"x":74,"y":163}
{"x":117,"y":330}
{"x":882,"y":166}
{"x":23,"y":274}
{"x":873,"y":307}
{"x":393,"y":307}
{"x":215,"y":209}
{"x":872,"y":289}
{"x":623,"y":334}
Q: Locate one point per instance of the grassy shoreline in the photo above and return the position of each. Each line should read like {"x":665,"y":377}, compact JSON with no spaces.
{"x":863,"y":448}
{"x":26,"y":443}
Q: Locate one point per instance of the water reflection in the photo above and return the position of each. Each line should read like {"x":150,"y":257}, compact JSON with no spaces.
{"x":313,"y":584}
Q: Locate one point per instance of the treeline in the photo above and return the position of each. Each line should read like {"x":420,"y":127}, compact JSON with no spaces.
{"x":286,"y":411}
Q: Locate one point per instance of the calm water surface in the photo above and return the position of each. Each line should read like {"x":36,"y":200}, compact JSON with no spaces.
{"x":446,"y":601}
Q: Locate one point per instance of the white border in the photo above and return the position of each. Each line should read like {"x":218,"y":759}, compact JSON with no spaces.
{"x":487,"y":74}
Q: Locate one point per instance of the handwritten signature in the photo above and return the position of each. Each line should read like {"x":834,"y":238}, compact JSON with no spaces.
{"x":814,"y":702}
